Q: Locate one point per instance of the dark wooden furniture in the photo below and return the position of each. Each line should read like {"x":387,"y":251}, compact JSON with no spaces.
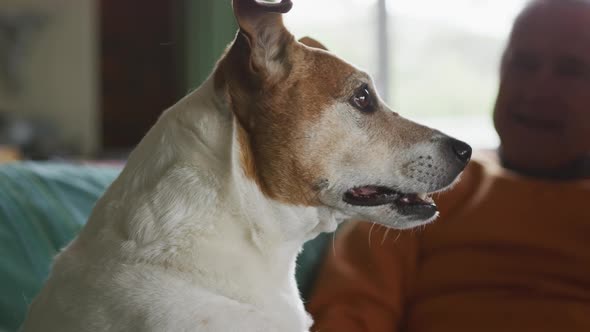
{"x":141,"y":60}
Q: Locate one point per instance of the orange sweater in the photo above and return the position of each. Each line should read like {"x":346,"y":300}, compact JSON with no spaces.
{"x":507,"y":254}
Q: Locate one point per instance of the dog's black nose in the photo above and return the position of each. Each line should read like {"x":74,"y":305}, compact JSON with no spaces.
{"x":462,"y":150}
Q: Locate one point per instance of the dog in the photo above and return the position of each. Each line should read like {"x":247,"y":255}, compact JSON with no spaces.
{"x":201,"y":229}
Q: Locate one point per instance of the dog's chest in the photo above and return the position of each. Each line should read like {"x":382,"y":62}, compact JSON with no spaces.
{"x":292,"y":320}
{"x":286,"y":310}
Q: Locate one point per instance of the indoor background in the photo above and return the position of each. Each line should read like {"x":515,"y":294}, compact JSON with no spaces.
{"x":85,"y":79}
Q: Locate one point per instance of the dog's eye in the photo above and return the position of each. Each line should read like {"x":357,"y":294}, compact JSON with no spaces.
{"x":362,"y":100}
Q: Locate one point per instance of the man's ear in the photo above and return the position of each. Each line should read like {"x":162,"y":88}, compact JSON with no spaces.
{"x":261,"y":24}
{"x":308,"y":41}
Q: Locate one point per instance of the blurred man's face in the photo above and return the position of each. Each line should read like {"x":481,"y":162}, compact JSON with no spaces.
{"x":542,"y":112}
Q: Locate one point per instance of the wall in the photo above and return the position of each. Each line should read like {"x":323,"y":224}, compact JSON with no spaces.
{"x":60,"y":70}
{"x":209,"y":27}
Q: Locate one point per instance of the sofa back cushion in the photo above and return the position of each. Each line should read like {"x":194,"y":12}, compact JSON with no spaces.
{"x":42,"y":207}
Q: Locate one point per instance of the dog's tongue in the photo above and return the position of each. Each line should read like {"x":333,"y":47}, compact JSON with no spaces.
{"x":365,"y":191}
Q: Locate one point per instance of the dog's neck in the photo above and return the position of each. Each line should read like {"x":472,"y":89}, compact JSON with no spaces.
{"x":184,"y":202}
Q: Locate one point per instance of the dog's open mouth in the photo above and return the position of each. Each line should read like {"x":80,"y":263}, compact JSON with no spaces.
{"x":416,"y":205}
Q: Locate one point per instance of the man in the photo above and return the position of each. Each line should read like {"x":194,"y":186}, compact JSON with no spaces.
{"x":511,"y":249}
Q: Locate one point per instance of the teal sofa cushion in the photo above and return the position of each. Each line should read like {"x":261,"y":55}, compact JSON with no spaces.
{"x":42,"y":207}
{"x":308,"y":263}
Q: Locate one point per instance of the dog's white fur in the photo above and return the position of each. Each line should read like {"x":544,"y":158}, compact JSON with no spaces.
{"x":183,"y":241}
{"x":186,"y":240}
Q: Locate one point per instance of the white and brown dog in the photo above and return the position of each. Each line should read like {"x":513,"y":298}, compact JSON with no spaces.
{"x":201,"y":230}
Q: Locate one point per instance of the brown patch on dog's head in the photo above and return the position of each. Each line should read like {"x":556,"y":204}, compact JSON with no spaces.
{"x":275,"y":86}
{"x":310,"y":127}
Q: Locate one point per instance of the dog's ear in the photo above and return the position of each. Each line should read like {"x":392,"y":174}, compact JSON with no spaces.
{"x":261,"y":24}
{"x":308,"y":41}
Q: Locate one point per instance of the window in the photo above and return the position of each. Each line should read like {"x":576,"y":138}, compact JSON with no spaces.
{"x":441,"y":57}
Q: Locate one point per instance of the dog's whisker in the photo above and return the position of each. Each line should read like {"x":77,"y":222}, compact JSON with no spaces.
{"x":399,"y":233}
{"x":385,"y":235}
{"x":370,"y":231}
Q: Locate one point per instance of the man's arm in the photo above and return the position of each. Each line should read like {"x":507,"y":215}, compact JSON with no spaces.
{"x":364,"y":280}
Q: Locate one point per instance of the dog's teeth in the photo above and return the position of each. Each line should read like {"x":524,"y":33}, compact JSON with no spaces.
{"x":423,"y":196}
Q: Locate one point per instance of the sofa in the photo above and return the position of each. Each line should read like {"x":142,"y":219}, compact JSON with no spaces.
{"x":43,"y":205}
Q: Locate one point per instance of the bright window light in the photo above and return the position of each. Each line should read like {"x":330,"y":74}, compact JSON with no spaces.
{"x":444,"y":55}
